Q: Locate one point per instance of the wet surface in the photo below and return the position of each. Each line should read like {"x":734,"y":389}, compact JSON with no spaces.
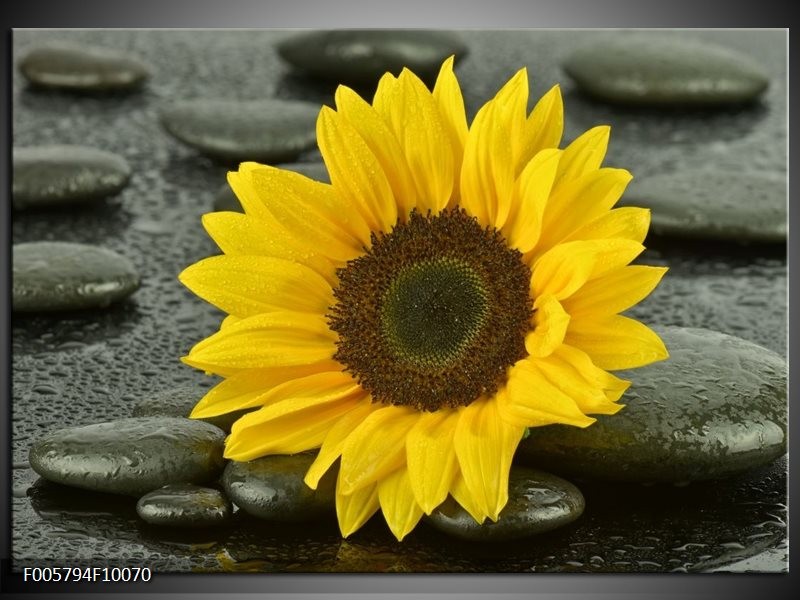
{"x":88,"y":367}
{"x":624,"y":528}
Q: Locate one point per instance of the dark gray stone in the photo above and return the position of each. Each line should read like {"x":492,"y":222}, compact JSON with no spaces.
{"x":272,"y":488}
{"x":130,"y":456}
{"x":270,"y":131}
{"x":707,"y":204}
{"x":226,"y":200}
{"x":715,"y":408}
{"x":179,"y":402}
{"x":82,"y":68}
{"x":60,"y":174}
{"x":654,"y":71}
{"x":360,"y":57}
{"x":537,"y":502}
{"x":184,"y":505}
{"x":57,"y":276}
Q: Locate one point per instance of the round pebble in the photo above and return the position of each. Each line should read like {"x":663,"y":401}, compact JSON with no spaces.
{"x":59,"y":276}
{"x":272,"y":488}
{"x":708,"y":204}
{"x":537,"y":502}
{"x":58,"y":175}
{"x":179,"y":402}
{"x":184,"y":505}
{"x":653,"y":71}
{"x":362,"y":56}
{"x":226,"y":200}
{"x":270,"y":131}
{"x":715,"y":408}
{"x":130,"y":456}
{"x":82,"y":68}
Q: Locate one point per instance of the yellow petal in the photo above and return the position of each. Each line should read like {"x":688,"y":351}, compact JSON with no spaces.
{"x":382,"y":143}
{"x":616,"y":342}
{"x":248,"y":285}
{"x":578,"y":202}
{"x":530,"y":399}
{"x":332,"y":446}
{"x":448,"y":98}
{"x":228,"y":321}
{"x":312,"y":213}
{"x":250,"y":388}
{"x":356,"y":173}
{"x":543,"y":128}
{"x":531,"y":192}
{"x":399,"y":507}
{"x":550,"y":325}
{"x":431,"y":458}
{"x":276,"y":339}
{"x":616,"y":291}
{"x":462,"y":495}
{"x":588,"y":398}
{"x":612,"y":255}
{"x":241,"y":183}
{"x":628,"y":222}
{"x":488,"y":172}
{"x":484,"y":444}
{"x":562,"y":270}
{"x":594,"y":390}
{"x":355,"y":509}
{"x":376,"y":447}
{"x":584,"y":154}
{"x":297,"y":416}
{"x":238,"y":234}
{"x":413,"y":116}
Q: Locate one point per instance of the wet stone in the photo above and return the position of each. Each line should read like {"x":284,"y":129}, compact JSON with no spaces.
{"x":716,"y":407}
{"x":184,"y":505}
{"x":179,"y":402}
{"x":59,"y":276}
{"x":59,"y":175}
{"x":272,"y":488}
{"x":648,"y":71}
{"x":226,"y":200}
{"x":707,"y":204}
{"x":82,"y":68}
{"x":130,"y":456}
{"x":360,"y":57}
{"x":270,"y":131}
{"x":537,"y":502}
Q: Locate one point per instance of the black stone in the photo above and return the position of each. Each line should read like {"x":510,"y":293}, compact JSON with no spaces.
{"x":272,"y":488}
{"x":179,"y":402}
{"x":709,"y":204}
{"x":716,"y":407}
{"x":184,"y":505}
{"x":270,"y":131}
{"x":58,"y":175}
{"x":82,"y":68}
{"x":361,"y":57}
{"x":226,"y":200}
{"x":537,"y":502}
{"x":653,"y":71}
{"x":58,"y":276}
{"x":130,"y":456}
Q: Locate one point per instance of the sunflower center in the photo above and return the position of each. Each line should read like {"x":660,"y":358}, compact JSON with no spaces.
{"x":432,"y":310}
{"x":434,"y":313}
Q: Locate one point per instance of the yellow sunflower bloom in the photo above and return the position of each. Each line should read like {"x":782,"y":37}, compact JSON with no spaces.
{"x":450,"y":288}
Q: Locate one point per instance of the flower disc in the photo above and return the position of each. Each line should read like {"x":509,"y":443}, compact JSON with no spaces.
{"x":434,"y":313}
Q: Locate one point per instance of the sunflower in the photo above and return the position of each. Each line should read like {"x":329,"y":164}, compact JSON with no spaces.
{"x":453,"y":286}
